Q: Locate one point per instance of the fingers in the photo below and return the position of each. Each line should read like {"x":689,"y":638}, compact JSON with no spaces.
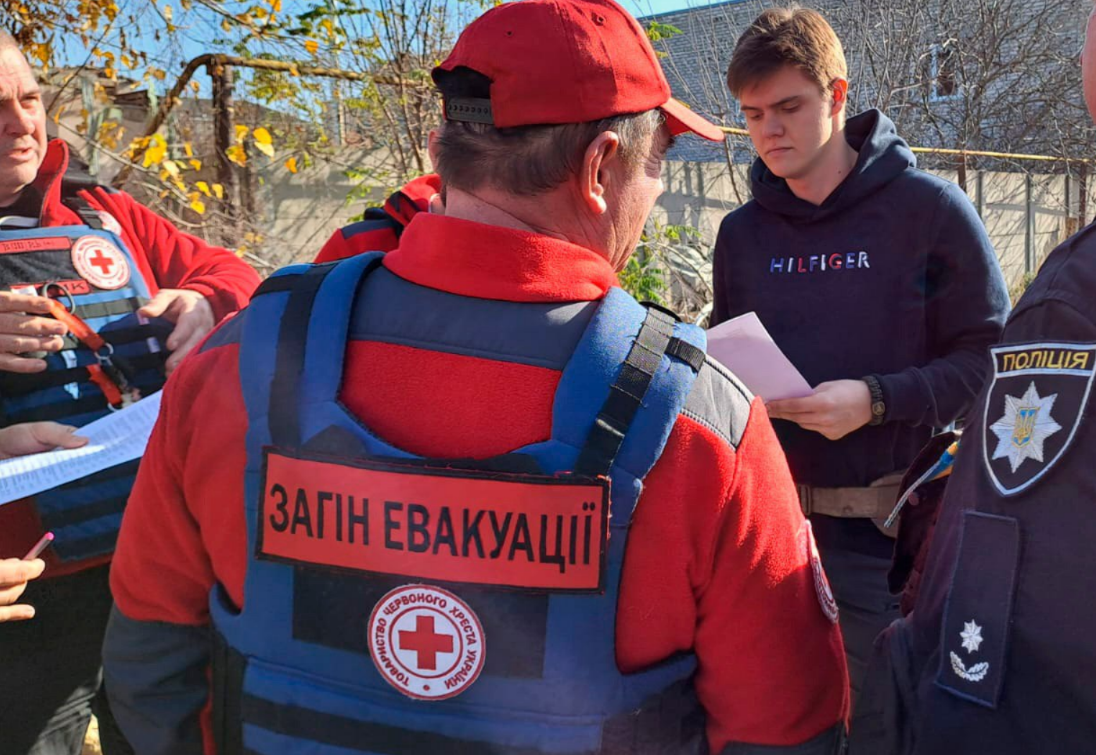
{"x":15,"y":572}
{"x":12,"y":363}
{"x":177,"y":354}
{"x":35,"y":437}
{"x":192,"y":326}
{"x":22,"y":334}
{"x":159,"y":303}
{"x":14,"y":575}
{"x":790,"y":406}
{"x":9,"y":595}
{"x":27,"y":325}
{"x":10,"y":302}
{"x":16,"y":613}
{"x":51,"y":435}
{"x":186,"y":328}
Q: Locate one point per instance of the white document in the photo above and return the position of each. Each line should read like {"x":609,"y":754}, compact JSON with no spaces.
{"x":743,"y":346}
{"x":115,"y":439}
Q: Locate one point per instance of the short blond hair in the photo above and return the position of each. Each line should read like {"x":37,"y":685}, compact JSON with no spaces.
{"x":782,"y":37}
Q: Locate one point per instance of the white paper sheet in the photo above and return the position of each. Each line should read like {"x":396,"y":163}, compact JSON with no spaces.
{"x":117,"y":438}
{"x":743,"y":346}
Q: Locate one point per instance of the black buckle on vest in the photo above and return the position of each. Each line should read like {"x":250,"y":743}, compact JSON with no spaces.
{"x":87,"y":214}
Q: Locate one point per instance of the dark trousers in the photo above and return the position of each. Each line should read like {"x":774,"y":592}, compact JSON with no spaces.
{"x":857,"y":557}
{"x":51,"y":669}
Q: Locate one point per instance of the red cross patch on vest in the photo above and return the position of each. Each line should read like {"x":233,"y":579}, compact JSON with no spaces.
{"x":100,"y":262}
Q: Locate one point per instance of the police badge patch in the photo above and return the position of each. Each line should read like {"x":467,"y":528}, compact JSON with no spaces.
{"x":1038,"y":397}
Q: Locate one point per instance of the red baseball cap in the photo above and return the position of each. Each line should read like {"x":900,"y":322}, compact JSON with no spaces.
{"x":564,"y":61}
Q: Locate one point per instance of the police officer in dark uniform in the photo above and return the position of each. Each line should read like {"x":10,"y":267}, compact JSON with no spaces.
{"x":998,"y":655}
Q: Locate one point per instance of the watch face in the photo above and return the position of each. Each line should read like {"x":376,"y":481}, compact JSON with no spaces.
{"x":878,"y":408}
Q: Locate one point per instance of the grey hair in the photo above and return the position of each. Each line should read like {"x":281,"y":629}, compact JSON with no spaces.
{"x":526,"y":160}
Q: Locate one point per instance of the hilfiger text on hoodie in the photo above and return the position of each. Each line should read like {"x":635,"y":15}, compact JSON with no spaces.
{"x":820,"y":263}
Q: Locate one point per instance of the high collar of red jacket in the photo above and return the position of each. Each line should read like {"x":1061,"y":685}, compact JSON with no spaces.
{"x":48,"y":183}
{"x":491,"y":262}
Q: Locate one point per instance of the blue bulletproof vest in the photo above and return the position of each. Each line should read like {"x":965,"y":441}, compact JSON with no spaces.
{"x":313,"y":663}
{"x":85,"y":515}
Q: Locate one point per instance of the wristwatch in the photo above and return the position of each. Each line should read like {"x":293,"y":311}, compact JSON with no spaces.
{"x":878,"y":406}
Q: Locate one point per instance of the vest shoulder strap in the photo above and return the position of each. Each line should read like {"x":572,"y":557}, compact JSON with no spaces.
{"x":77,"y":179}
{"x":303,"y":284}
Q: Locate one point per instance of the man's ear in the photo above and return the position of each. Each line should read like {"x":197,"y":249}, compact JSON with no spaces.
{"x":594,"y":178}
{"x":840,"y":89}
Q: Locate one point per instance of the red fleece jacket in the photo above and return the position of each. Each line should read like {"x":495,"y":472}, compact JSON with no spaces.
{"x":167,"y":258}
{"x":715,"y":561}
{"x":380,"y":228}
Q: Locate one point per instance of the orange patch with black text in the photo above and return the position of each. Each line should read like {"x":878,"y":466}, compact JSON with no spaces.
{"x":511,"y":530}
{"x":40,"y":244}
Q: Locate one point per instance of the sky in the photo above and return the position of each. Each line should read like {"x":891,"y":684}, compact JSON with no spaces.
{"x":200,"y":30}
{"x":192,"y":46}
{"x":651,"y":7}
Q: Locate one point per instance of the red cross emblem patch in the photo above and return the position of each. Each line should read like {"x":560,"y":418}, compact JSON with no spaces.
{"x":426,"y":642}
{"x":100,"y":262}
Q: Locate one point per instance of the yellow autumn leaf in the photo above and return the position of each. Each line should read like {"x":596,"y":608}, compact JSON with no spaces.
{"x":226,"y":25}
{"x":188,"y":149}
{"x":203,"y":187}
{"x":42,"y":52}
{"x":195,"y":86}
{"x":291,"y":165}
{"x":266,"y":149}
{"x":156,"y":152}
{"x":196,"y":164}
{"x":236,"y":154}
{"x":159,"y":74}
{"x":262,"y":136}
{"x":312,"y":46}
{"x":219,"y":191}
{"x":171,"y":168}
{"x":198,"y":206}
{"x":276,"y":5}
{"x":241,"y":132}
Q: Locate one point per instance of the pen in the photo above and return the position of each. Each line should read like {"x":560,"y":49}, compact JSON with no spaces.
{"x":40,"y":546}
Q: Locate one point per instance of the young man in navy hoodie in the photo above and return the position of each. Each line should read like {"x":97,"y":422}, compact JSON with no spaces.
{"x":876,"y":279}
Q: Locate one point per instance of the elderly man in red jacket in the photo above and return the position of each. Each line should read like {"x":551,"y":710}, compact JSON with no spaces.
{"x":99,"y":299}
{"x":523,"y":423}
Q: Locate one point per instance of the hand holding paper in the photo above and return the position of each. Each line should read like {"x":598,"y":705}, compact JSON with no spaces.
{"x":112,"y":440}
{"x":835,"y":409}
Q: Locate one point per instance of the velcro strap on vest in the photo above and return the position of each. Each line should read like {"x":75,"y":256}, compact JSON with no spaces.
{"x":16,"y":384}
{"x":873,"y":502}
{"x":93,"y":310}
{"x":80,"y":206}
{"x":626,"y":395}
